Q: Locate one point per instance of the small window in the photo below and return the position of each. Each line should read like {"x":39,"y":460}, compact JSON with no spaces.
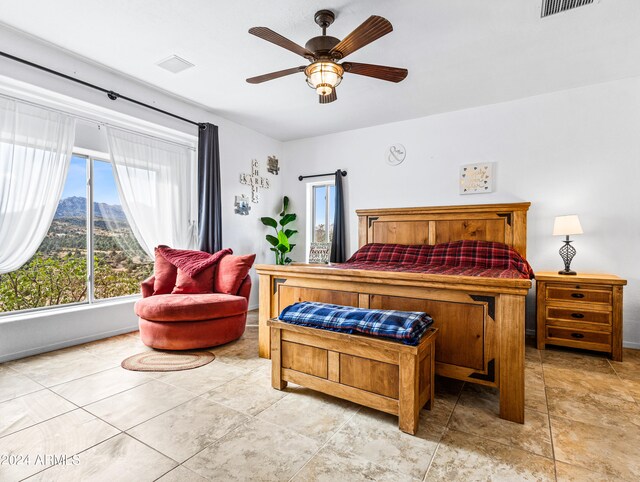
{"x":321,"y":212}
{"x":324,"y":207}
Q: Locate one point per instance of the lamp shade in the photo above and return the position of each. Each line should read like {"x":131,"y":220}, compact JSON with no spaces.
{"x":566,"y":225}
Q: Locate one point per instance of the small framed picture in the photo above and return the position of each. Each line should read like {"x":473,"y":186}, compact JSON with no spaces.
{"x":319,"y":253}
{"x":477,"y":178}
{"x":241,"y":205}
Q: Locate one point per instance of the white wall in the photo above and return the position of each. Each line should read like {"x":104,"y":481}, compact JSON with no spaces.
{"x":576,"y":151}
{"x":238,"y":145}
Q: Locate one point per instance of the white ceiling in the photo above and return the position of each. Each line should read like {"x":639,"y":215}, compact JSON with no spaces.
{"x":460,"y":53}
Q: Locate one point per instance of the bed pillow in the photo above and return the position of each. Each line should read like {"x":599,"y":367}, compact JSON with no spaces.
{"x":230,"y":273}
{"x":462,"y":254}
{"x":164,"y":274}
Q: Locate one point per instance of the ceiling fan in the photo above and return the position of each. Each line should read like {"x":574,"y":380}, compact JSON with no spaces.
{"x":324,"y":73}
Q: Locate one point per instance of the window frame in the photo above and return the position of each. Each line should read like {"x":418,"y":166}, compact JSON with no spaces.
{"x":89,"y":156}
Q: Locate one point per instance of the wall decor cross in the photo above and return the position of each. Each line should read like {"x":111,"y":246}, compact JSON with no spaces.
{"x":254,"y":180}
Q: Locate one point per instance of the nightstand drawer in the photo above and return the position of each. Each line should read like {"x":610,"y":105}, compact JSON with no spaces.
{"x":578,"y":315}
{"x":579,"y":292}
{"x":567,"y":334}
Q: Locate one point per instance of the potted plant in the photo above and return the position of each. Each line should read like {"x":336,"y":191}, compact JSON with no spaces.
{"x":280,"y":243}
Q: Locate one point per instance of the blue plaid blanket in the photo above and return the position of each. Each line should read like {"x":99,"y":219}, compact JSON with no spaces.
{"x":405,"y":326}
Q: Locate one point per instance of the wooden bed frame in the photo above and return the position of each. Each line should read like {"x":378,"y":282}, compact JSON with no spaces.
{"x":481,"y":321}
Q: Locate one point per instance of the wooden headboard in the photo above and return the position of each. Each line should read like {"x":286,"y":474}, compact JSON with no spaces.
{"x":504,"y":223}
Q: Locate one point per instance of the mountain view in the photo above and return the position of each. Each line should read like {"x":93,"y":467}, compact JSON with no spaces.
{"x":76,"y":207}
{"x":57,"y":273}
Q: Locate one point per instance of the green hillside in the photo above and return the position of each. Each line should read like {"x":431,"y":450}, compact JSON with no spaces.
{"x":57,"y":273}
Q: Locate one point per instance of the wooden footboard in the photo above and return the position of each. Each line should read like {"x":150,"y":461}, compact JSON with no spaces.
{"x":481,"y":321}
{"x":384,"y":375}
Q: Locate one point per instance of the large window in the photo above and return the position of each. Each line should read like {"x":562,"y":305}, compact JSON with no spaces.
{"x":89,"y":252}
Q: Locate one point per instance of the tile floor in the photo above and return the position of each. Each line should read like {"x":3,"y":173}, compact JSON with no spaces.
{"x":78,"y":416}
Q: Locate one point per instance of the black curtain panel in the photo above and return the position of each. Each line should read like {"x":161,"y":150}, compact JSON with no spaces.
{"x":209,"y":199}
{"x":339,"y":241}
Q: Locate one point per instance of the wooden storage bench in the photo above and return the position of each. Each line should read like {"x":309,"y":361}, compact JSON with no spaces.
{"x":378,"y":373}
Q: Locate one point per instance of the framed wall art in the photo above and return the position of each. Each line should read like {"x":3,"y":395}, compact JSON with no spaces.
{"x":477,"y":178}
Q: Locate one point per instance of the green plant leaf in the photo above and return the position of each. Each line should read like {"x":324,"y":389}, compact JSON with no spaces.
{"x":273,"y":241}
{"x":282,"y":248}
{"x":283,"y":240}
{"x":267,"y":221}
{"x":287,"y":260}
{"x":287,"y":218}
{"x":273,"y":249}
{"x":289,"y":232}
{"x":291,"y":246}
{"x":285,"y":205}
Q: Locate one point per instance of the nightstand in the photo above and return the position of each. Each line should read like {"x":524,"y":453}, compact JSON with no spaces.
{"x":583,"y":311}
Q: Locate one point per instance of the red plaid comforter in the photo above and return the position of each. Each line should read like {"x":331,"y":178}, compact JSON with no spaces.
{"x":465,"y":258}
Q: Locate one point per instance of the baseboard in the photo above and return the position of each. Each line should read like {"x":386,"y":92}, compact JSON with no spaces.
{"x":66,"y":343}
{"x":134,"y":327}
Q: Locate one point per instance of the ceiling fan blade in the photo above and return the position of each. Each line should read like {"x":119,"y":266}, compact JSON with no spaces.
{"x":274,"y":75}
{"x":327,"y":99}
{"x":275,"y":38}
{"x":382,"y":72}
{"x":371,"y":29}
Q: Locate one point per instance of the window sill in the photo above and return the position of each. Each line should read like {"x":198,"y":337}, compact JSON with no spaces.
{"x":62,"y":310}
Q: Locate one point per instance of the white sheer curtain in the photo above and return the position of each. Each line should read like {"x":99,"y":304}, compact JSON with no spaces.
{"x":35,"y":152}
{"x":156,"y":183}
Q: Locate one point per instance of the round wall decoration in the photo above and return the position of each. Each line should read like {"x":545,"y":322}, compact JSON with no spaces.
{"x":395,"y":154}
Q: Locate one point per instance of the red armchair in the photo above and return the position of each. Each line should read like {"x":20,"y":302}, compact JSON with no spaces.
{"x":189,"y":321}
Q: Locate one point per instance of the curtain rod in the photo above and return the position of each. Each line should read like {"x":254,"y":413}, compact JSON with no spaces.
{"x":99,"y":123}
{"x":344,"y":173}
{"x":110,"y":93}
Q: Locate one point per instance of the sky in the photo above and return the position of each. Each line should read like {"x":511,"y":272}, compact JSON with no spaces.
{"x":320,"y":205}
{"x":104,"y":185}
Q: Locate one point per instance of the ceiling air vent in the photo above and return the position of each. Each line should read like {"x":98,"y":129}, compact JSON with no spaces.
{"x":175,"y":64}
{"x":551,"y":7}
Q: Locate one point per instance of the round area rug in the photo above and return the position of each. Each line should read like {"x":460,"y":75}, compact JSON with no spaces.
{"x":167,"y":361}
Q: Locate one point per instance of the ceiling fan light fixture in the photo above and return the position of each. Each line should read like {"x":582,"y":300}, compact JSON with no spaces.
{"x":324,"y":52}
{"x":324,"y":76}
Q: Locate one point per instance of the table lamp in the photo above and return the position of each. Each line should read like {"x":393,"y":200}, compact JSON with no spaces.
{"x":566,"y":226}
